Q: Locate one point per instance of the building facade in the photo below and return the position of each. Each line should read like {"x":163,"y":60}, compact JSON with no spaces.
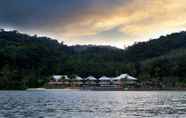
{"x":124,"y":80}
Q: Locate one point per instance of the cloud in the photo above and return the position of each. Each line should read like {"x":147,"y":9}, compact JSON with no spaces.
{"x":156,"y":16}
{"x":95,"y":21}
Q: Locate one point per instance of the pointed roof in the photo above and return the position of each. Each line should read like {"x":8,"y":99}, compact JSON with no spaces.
{"x":65,"y":77}
{"x":91,"y":78}
{"x":125,"y":76}
{"x":131,"y":78}
{"x":78,"y":78}
{"x":56,"y":77}
{"x":104,"y":78}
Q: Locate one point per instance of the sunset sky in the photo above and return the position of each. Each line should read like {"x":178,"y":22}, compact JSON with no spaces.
{"x":101,"y":22}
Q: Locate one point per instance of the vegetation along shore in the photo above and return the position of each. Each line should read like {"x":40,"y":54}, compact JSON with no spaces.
{"x":31,"y":61}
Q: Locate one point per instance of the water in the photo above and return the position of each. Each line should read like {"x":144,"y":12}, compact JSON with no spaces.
{"x":92,"y":104}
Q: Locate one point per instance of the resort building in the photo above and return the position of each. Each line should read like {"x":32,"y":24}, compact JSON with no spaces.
{"x":124,"y":80}
{"x":59,"y":80}
{"x":56,"y":77}
{"x":121,"y":81}
{"x":77,"y":81}
{"x":105,"y":81}
{"x":91,"y":80}
{"x":55,"y":80}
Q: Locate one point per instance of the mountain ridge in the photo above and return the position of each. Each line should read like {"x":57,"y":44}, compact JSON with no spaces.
{"x":32,"y":60}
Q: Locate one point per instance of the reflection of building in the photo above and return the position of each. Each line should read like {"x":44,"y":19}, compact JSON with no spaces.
{"x":124,"y":80}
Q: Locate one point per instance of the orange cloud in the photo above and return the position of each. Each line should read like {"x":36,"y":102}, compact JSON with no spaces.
{"x":137,"y":19}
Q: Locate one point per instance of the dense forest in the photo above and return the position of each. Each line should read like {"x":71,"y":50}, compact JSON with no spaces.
{"x":29,"y":61}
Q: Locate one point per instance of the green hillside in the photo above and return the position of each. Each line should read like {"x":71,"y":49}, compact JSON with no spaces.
{"x":29,"y":61}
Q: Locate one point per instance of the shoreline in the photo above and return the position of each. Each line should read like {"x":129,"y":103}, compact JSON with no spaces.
{"x":105,"y":90}
{"x":117,"y":89}
{"x":96,"y":89}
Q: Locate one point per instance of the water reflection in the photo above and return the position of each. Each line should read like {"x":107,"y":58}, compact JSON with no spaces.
{"x":92,"y":104}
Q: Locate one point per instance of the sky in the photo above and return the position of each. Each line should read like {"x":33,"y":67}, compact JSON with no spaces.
{"x":102,"y":22}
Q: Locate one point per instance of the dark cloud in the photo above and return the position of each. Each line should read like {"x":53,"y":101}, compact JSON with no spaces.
{"x":99,"y":20}
{"x":35,"y":13}
{"x":43,"y":13}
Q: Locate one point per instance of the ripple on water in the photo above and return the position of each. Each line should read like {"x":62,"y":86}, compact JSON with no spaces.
{"x":92,"y":104}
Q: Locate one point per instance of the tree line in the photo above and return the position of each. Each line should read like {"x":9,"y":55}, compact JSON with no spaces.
{"x":29,"y":61}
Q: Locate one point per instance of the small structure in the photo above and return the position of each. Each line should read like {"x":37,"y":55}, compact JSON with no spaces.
{"x":78,"y":78}
{"x":105,"y":81}
{"x":59,"y":79}
{"x":65,"y":79}
{"x":56,"y":77}
{"x":124,"y":80}
{"x":78,"y":81}
{"x":125,"y":76}
{"x":91,"y":80}
{"x":55,"y":80}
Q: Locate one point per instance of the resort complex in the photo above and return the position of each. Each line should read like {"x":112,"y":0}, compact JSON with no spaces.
{"x":124,"y":81}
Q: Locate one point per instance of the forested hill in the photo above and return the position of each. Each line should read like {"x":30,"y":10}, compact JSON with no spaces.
{"x":27,"y":61}
{"x":156,"y":47}
{"x":141,"y":51}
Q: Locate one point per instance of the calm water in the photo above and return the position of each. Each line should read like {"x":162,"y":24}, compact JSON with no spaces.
{"x":91,"y":104}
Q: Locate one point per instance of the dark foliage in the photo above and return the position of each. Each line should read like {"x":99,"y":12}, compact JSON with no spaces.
{"x":29,"y":61}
